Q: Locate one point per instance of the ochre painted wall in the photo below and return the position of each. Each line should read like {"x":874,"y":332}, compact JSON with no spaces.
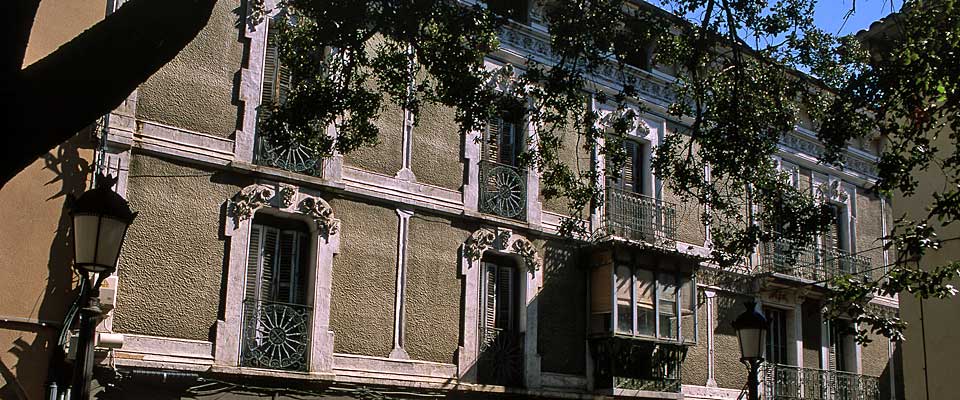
{"x":196,"y":90}
{"x":172,"y":263}
{"x":385,"y":157}
{"x":695,"y":364}
{"x":364,"y":279}
{"x":730,"y":372}
{"x":434,"y":288}
{"x":35,"y":242}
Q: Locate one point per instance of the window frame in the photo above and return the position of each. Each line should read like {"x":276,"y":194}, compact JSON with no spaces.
{"x":682,"y":280}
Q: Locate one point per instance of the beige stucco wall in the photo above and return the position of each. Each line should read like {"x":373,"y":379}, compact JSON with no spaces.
{"x":562,"y":322}
{"x":695,"y":364}
{"x":172,"y":261}
{"x":574,"y":156}
{"x":195,"y":90}
{"x":35,"y":242}
{"x":811,"y":334}
{"x":869,"y":230}
{"x":433,"y":288}
{"x":730,"y":372}
{"x":364,"y":278}
{"x":385,"y":157}
{"x":437,"y":148}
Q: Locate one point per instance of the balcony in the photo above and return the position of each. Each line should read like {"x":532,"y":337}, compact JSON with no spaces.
{"x":810,"y":262}
{"x":783,"y":382}
{"x":627,"y":366}
{"x":501,"y":357}
{"x":290,"y":157}
{"x":637,"y":217}
{"x":503,"y":190}
{"x":275,"y":335}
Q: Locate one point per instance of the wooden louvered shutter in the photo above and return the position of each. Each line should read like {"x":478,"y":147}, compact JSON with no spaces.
{"x":505,"y":299}
{"x":488,"y":303}
{"x":276,"y":76}
{"x":268,"y":264}
{"x":831,"y":238}
{"x":492,"y":142}
{"x":253,"y":267}
{"x":287,"y":267}
{"x":502,"y":141}
{"x":631,"y":171}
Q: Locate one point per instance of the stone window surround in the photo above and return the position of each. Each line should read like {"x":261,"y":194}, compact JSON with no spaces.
{"x":289,"y":202}
{"x":503,"y":242}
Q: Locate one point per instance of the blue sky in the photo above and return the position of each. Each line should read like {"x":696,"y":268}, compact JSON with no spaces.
{"x":829,"y":14}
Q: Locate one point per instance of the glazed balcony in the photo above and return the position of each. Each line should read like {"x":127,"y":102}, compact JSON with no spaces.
{"x":636,"y":367}
{"x":276,"y":335}
{"x":783,"y":382}
{"x":290,"y":157}
{"x":634,"y":216}
{"x":810,"y":262}
{"x":503,"y":190}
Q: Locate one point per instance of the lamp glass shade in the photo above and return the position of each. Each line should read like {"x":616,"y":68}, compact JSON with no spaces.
{"x":752,"y":343}
{"x":98,"y":239}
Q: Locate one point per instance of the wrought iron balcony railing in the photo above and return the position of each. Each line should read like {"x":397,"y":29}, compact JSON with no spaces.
{"x":501,"y":357}
{"x":784,"y":382}
{"x":292,"y":157}
{"x":276,"y":335}
{"x":637,"y":217}
{"x":637,"y":364}
{"x":503,"y":190}
{"x":811,"y":262}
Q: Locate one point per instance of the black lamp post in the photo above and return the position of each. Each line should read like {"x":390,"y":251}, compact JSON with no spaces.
{"x":100,"y":219}
{"x":751,"y":329}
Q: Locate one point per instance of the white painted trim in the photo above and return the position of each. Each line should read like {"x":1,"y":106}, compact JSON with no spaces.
{"x":271,"y":198}
{"x":709,"y":393}
{"x":711,"y":327}
{"x":399,"y":308}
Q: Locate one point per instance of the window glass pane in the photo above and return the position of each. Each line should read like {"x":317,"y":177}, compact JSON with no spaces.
{"x":624,"y":300}
{"x":646,"y":323}
{"x":667,"y":292}
{"x":688,"y":310}
{"x":776,"y":351}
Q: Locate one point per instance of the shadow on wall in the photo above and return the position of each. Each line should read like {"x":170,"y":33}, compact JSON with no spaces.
{"x":39,"y":359}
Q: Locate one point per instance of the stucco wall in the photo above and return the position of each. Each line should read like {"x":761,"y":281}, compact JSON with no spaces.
{"x":730,"y":372}
{"x":869,"y":229}
{"x":437,"y":148}
{"x":811,"y":334}
{"x":563,"y":311}
{"x":695,"y":365}
{"x":433,"y":288}
{"x":690,"y":228}
{"x":171,"y":264}
{"x":364,"y":278}
{"x":874,"y":356}
{"x":385,"y":157}
{"x":573,"y":156}
{"x":196,"y":90}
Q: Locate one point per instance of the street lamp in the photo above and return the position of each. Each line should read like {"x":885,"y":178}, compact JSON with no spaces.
{"x":751,"y":328}
{"x":100,"y":219}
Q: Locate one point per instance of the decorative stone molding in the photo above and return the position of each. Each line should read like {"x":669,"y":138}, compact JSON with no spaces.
{"x":803,"y":143}
{"x":635,"y":123}
{"x":501,"y":241}
{"x":322,"y":214}
{"x":831,"y":191}
{"x":325,"y":243}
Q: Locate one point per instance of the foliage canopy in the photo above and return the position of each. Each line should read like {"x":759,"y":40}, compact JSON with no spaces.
{"x":738,"y":90}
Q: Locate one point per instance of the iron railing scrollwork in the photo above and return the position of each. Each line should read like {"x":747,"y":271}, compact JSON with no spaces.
{"x":784,"y":382}
{"x":637,"y":217}
{"x":503,"y":190}
{"x":276,"y":335}
{"x":811,"y":262}
{"x":633,"y":364}
{"x":293,"y":157}
{"x":501,"y":357}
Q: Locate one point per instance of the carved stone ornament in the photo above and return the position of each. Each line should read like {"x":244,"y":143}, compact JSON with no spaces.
{"x":832,"y":191}
{"x":287,"y":195}
{"x":249,"y":200}
{"x":634,"y":123}
{"x":479,"y":241}
{"x":322,"y":214}
{"x":502,"y":78}
{"x":525,"y":249}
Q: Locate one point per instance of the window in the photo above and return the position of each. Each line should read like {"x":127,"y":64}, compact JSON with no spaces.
{"x":842,"y":356}
{"x":649,"y":303}
{"x":631,"y":177}
{"x":833,"y":238}
{"x":503,"y":185}
{"x":276,"y":76}
{"x":517,"y":10}
{"x":501,"y":342}
{"x":276,"y":315}
{"x":776,"y":336}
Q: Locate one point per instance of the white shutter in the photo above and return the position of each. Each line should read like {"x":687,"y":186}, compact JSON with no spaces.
{"x":492,"y":142}
{"x":488,"y":303}
{"x":268,"y":265}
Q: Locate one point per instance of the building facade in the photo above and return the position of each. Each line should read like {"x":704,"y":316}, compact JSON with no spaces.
{"x":430,"y":264}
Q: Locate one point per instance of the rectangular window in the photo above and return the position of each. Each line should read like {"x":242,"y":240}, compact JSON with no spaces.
{"x":649,"y":303}
{"x":667,"y":292}
{"x":500,"y":338}
{"x":503,"y":143}
{"x":776,"y":336}
{"x":499,"y":297}
{"x":624,"y":300}
{"x":631,"y":175}
{"x":646,"y":313}
{"x":276,"y":76}
{"x":275,"y":312}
